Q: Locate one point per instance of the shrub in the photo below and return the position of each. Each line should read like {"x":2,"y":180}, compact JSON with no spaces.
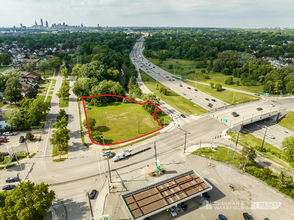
{"x":162,"y":170}
{"x":29,"y":136}
{"x":206,"y":76}
{"x":153,"y":174}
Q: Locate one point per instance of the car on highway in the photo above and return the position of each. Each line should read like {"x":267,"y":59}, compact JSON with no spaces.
{"x":183,"y":206}
{"x":196,"y":90}
{"x":111,"y":155}
{"x":173,"y":79}
{"x":181,"y":85}
{"x":172,"y":212}
{"x":209,"y":105}
{"x":183,"y":116}
{"x":207,"y":99}
{"x":221,"y":217}
{"x":184,"y":93}
{"x":11,"y":179}
{"x":8,"y":187}
{"x":188,"y":87}
{"x":272,"y":105}
{"x":270,"y":136}
{"x":154,"y":67}
{"x":105,"y":153}
{"x":195,"y":96}
{"x":247,"y":216}
{"x":167,"y":76}
{"x":21,"y":139}
{"x":169,"y":79}
{"x":93,"y":194}
{"x":258,"y":109}
{"x":7,"y":133}
{"x":235,"y":114}
{"x":125,"y":151}
{"x":213,"y":100}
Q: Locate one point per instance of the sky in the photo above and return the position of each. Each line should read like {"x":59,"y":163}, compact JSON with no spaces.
{"x":151,"y":13}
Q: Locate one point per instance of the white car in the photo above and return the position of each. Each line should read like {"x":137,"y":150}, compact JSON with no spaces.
{"x":8,"y":133}
{"x":172,"y":212}
{"x":270,"y":136}
{"x":105,"y":153}
{"x":272,"y":105}
{"x":125,"y":151}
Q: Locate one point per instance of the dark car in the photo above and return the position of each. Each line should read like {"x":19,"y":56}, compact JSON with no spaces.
{"x":183,"y":206}
{"x":11,"y":179}
{"x":210,"y":105}
{"x":235,"y":114}
{"x":8,"y":187}
{"x":213,"y":100}
{"x":111,"y":155}
{"x":257,"y":94}
{"x":247,"y":216}
{"x":183,"y":115}
{"x":21,"y":139}
{"x":206,"y":195}
{"x":196,"y":90}
{"x":258,"y":109}
{"x":93,"y":194}
{"x":207,"y":99}
{"x":221,"y":217}
{"x":181,"y":85}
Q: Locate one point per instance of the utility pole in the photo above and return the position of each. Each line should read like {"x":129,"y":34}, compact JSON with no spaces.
{"x":263,"y":139}
{"x":155,"y":153}
{"x":90,"y":205}
{"x":185,"y":142}
{"x":236,"y":145}
{"x":109,"y":169}
{"x":27,"y":148}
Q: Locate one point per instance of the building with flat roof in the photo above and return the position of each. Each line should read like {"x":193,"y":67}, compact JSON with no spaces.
{"x":163,"y":195}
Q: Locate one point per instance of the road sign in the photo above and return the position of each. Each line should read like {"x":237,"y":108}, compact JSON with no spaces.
{"x":266,"y":94}
{"x":96,"y":136}
{"x":105,"y":217}
{"x":225,"y":120}
{"x":158,"y":165}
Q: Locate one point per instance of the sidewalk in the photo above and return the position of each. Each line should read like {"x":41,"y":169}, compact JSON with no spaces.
{"x":99,"y":205}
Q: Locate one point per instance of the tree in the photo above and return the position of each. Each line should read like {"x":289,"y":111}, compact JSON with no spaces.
{"x":290,"y":86}
{"x":1,"y":159}
{"x":60,"y":137}
{"x":248,"y":152}
{"x":76,"y":69}
{"x":211,"y":85}
{"x":32,"y":93}
{"x":12,"y":117}
{"x":288,"y":147}
{"x":12,"y":92}
{"x":170,"y":66}
{"x":218,"y":87}
{"x":203,"y":71}
{"x":30,"y":67}
{"x":43,"y":65}
{"x":34,"y":110}
{"x":5,"y":59}
{"x":29,"y":136}
{"x":63,"y":92}
{"x":61,"y":123}
{"x":229,"y":80}
{"x":64,"y":72}
{"x":150,"y":108}
{"x":27,"y":201}
{"x":285,"y":179}
{"x":55,"y":62}
{"x":61,"y":114}
{"x":91,"y":123}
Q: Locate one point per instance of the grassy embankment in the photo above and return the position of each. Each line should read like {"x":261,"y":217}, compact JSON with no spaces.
{"x":287,"y":121}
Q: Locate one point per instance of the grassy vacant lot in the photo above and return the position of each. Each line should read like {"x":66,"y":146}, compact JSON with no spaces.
{"x":220,"y":154}
{"x":287,"y":121}
{"x":119,"y":121}
{"x":3,"y":68}
{"x":186,"y":67}
{"x":48,"y":73}
{"x":172,"y":98}
{"x":227,"y":96}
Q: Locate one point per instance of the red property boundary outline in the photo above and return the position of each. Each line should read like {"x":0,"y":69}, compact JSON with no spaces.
{"x":161,"y":127}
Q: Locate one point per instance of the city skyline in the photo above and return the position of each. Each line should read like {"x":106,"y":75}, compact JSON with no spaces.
{"x":187,"y":13}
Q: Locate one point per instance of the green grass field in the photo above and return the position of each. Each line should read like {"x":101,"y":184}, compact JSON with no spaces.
{"x":48,"y":98}
{"x":227,"y":96}
{"x":172,"y":98}
{"x":119,"y":121}
{"x":186,"y":69}
{"x":3,"y":68}
{"x":48,"y":73}
{"x":63,"y":103}
{"x":287,"y":121}
{"x":2,"y":103}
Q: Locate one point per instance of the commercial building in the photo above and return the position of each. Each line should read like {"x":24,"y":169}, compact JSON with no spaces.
{"x":163,"y":195}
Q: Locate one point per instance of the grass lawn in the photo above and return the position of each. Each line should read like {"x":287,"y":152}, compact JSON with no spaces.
{"x":186,"y":69}
{"x":2,"y":103}
{"x":42,"y":97}
{"x":227,"y":96}
{"x":220,"y":154}
{"x":172,"y":98}
{"x":48,"y":73}
{"x":12,"y":106}
{"x":55,"y":151}
{"x":275,"y":154}
{"x":50,"y":92}
{"x":63,"y":103}
{"x":49,"y":98}
{"x":119,"y":121}
{"x":3,"y":68}
{"x":287,"y":121}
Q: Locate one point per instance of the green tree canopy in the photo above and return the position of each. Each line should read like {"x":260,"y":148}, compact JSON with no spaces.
{"x":288,"y":147}
{"x":149,"y":107}
{"x":12,"y":92}
{"x":43,"y":65}
{"x":12,"y":117}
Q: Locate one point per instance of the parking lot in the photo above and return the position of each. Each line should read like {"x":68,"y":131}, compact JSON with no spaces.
{"x":233,"y":192}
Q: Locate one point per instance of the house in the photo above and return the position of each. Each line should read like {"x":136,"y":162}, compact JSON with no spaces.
{"x":34,"y":76}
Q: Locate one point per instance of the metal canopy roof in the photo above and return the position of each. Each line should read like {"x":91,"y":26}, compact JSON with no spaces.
{"x":160,"y":196}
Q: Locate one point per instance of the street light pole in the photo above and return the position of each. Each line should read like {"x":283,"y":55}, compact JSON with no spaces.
{"x":109,"y":169}
{"x":155,"y":153}
{"x":263,"y":139}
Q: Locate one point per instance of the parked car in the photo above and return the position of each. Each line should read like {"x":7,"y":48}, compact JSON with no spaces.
{"x":3,"y":140}
{"x":183,"y":206}
{"x":206,"y":195}
{"x":183,"y":116}
{"x":258,"y":109}
{"x":21,"y":139}
{"x":247,"y":216}
{"x":111,"y":155}
{"x":3,"y":137}
{"x":11,"y":179}
{"x":5,"y":154}
{"x":105,"y":153}
{"x":93,"y":194}
{"x":221,"y":217}
{"x":172,"y":212}
{"x":8,"y":187}
{"x":7,"y":133}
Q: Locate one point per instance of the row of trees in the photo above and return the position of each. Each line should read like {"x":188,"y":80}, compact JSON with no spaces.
{"x":5,"y":59}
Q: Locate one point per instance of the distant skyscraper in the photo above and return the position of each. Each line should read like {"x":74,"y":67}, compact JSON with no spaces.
{"x":98,"y":25}
{"x":63,"y":23}
{"x":21,"y":25}
{"x":36,"y":23}
{"x":82,"y":25}
{"x":47,"y":24}
{"x":42,"y":22}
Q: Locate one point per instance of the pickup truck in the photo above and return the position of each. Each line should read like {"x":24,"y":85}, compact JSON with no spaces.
{"x":118,"y":157}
